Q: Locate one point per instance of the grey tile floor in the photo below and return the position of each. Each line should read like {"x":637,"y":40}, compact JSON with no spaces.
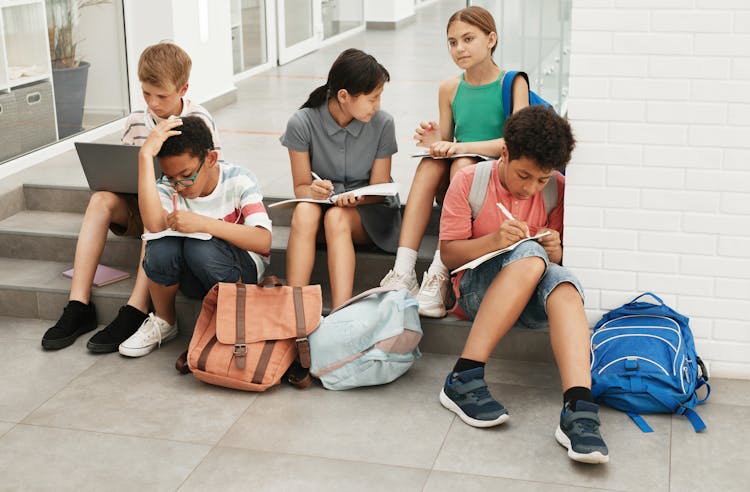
{"x":70,"y":420}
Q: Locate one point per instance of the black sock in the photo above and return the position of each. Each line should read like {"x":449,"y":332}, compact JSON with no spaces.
{"x":572,"y":395}
{"x":466,"y":364}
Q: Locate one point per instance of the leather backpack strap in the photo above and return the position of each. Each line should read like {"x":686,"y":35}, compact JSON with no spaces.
{"x":240,"y":348}
{"x":303,"y":345}
{"x":181,"y":363}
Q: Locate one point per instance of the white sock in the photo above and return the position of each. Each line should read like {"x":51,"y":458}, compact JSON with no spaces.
{"x":406,"y":260}
{"x":437,"y":266}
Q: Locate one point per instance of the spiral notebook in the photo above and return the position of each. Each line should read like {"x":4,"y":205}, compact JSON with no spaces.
{"x":104,"y":275}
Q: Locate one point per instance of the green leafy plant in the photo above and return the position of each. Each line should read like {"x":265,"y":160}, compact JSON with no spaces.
{"x":62,"y":27}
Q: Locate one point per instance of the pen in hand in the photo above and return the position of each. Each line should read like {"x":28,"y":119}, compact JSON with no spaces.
{"x":315,"y":176}
{"x":174,"y":202}
{"x":508,"y":215}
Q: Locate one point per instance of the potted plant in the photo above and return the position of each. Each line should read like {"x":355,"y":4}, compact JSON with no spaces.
{"x":69,"y":71}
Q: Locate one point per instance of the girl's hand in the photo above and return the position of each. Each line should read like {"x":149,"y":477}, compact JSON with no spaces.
{"x":159,"y":134}
{"x":511,"y":231}
{"x":551,"y":242}
{"x":444,"y":148}
{"x":187,"y":222}
{"x":348,"y":200}
{"x":427,"y":133}
{"x":321,"y":189}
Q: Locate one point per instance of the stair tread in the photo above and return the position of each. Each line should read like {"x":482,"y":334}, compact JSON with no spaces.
{"x":67,"y":225}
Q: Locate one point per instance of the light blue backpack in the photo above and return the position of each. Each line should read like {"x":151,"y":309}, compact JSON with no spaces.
{"x":371,"y":339}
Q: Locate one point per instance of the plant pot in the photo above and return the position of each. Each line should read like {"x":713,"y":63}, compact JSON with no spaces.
{"x":70,"y":95}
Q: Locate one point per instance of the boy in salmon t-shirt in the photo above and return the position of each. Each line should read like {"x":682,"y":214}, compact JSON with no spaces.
{"x":526,"y":284}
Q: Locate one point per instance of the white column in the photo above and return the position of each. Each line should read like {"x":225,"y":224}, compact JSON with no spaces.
{"x":388,"y":14}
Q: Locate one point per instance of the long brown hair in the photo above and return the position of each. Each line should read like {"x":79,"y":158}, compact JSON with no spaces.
{"x":477,"y":17}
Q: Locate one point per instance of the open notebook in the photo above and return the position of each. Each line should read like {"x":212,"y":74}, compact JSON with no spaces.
{"x":454,"y":156}
{"x":478,"y":261}
{"x":380,"y":189}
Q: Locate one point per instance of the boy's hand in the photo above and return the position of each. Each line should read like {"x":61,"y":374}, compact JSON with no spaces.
{"x":511,"y":231}
{"x":321,"y":189}
{"x":159,"y":134}
{"x":427,"y":133}
{"x":348,"y":200}
{"x":551,"y":243}
{"x":187,"y":222}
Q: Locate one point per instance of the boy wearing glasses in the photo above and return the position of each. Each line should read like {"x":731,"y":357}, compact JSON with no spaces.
{"x":196,"y":193}
{"x":164,"y":70}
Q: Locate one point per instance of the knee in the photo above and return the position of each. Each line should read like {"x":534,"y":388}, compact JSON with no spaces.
{"x":211,"y":260}
{"x":103,"y":202}
{"x":162,"y":255}
{"x":429,"y":170}
{"x":533,"y":267}
{"x":336,"y":221}
{"x":306,"y":218}
{"x":460,"y":163}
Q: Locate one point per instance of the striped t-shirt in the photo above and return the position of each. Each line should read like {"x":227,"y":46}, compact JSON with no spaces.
{"x":140,"y":123}
{"x":237,"y":199}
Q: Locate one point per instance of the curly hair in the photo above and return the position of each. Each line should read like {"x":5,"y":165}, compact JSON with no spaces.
{"x":195,"y":139}
{"x":540,"y":134}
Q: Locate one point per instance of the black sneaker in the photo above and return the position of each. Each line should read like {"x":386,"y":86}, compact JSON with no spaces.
{"x":127,"y":322}
{"x":77,"y":318}
{"x":466,"y":394}
{"x":579,"y":432}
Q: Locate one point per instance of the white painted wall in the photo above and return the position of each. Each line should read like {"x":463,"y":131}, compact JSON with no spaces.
{"x":388,"y":10}
{"x":658,"y":193}
{"x":180,"y":21}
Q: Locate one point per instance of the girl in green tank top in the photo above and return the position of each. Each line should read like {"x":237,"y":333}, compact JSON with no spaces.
{"x":471,"y":122}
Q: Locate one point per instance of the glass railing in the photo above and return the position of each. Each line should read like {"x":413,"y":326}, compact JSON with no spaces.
{"x":534,"y":36}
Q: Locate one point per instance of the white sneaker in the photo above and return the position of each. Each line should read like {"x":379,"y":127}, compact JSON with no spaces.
{"x":398,"y":281}
{"x":152,"y":333}
{"x":433,"y":294}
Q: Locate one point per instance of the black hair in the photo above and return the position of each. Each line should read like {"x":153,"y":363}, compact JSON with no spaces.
{"x":196,"y":139}
{"x":539,"y":134}
{"x":355,"y":71}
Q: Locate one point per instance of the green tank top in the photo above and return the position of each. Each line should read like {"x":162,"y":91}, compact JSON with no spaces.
{"x":478,"y":111}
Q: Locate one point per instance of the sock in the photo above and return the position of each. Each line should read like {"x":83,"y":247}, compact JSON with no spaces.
{"x":466,"y":364}
{"x":79,"y":305}
{"x":572,"y":395}
{"x":406,"y":259}
{"x":437,"y":265}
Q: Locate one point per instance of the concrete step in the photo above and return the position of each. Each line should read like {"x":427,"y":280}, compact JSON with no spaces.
{"x":52,"y":236}
{"x":37,"y":289}
{"x":75,"y":200}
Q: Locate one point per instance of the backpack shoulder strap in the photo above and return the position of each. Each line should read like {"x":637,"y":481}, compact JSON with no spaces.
{"x":507,"y":89}
{"x":549,"y":194}
{"x":478,"y":191}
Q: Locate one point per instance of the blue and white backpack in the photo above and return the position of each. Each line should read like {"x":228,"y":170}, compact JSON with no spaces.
{"x":507,"y":92}
{"x":371,"y":339}
{"x":643,"y":360}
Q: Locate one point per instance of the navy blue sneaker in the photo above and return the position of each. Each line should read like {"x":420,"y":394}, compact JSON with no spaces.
{"x":466,"y":394}
{"x":579,"y":432}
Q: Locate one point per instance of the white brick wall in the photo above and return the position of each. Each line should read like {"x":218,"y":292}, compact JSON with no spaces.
{"x":658,"y":192}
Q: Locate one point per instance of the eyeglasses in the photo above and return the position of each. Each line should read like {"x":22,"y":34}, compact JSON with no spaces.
{"x":184,"y":182}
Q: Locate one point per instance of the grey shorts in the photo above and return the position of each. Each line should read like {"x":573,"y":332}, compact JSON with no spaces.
{"x":475,"y":283}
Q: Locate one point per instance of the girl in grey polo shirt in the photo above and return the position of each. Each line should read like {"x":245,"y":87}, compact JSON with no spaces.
{"x":340,"y":140}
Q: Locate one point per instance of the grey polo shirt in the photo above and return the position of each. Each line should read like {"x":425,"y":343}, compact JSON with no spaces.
{"x":342,"y":155}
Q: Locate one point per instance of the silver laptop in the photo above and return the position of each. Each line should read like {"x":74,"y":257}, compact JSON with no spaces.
{"x":111,"y":167}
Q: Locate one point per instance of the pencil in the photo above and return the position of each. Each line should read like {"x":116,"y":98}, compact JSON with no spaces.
{"x":174,"y":202}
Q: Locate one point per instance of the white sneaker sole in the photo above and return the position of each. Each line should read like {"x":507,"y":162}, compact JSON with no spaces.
{"x":433,"y":311}
{"x":141,"y":351}
{"x":594,"y":458}
{"x":451,"y":405}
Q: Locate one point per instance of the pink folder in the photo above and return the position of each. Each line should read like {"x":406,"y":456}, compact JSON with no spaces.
{"x":104,"y":275}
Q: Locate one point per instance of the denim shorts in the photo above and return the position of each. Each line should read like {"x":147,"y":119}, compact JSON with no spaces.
{"x":475,"y":282}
